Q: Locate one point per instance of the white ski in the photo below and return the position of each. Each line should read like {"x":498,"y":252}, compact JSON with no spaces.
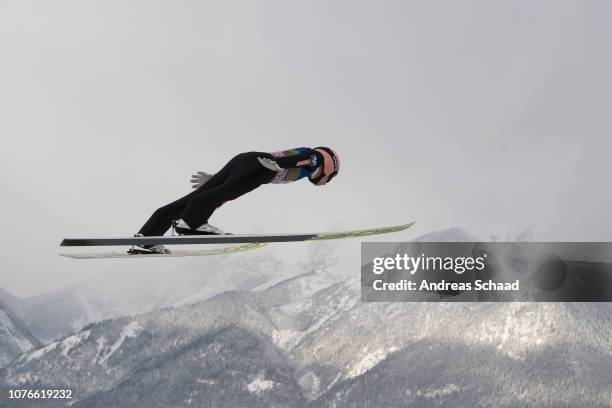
{"x":248,"y":242}
{"x":175,"y":253}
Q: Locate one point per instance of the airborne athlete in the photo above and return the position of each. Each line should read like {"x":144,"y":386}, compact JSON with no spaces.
{"x":242,"y":174}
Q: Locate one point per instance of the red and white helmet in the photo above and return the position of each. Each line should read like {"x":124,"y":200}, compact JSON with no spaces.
{"x":329,"y":168}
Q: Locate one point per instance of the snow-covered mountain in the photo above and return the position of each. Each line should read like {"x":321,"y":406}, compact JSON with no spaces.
{"x":15,"y":338}
{"x":310,"y":342}
{"x":63,"y":312}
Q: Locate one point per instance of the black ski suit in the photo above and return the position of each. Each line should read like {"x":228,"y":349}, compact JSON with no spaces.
{"x":241,"y":174}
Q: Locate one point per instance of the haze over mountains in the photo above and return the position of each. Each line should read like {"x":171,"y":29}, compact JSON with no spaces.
{"x":60,"y":313}
{"x":15,"y":338}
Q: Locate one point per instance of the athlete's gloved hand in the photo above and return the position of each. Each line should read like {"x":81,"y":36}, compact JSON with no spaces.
{"x":199,"y":179}
{"x":269,"y":164}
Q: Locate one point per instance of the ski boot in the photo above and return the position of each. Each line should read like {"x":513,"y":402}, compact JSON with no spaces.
{"x":182,"y":228}
{"x":148,"y":249}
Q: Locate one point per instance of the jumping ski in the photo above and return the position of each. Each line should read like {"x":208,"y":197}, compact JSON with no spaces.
{"x":252,"y":241}
{"x":175,"y":253}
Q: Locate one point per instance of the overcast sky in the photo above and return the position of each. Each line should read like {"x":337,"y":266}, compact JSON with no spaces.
{"x":492,"y":116}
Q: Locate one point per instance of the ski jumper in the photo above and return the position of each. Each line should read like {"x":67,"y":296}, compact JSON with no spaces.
{"x":240,"y":175}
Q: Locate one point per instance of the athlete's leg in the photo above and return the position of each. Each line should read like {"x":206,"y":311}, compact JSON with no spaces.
{"x":246,"y":175}
{"x":162,"y":218}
